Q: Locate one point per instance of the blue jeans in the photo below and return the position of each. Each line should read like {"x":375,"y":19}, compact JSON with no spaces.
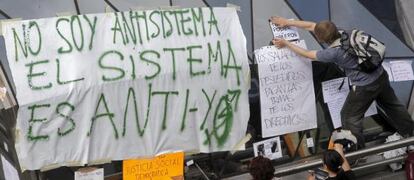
{"x":360,"y":98}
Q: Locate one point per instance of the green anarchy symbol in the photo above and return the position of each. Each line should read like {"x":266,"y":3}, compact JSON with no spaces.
{"x":223,"y":117}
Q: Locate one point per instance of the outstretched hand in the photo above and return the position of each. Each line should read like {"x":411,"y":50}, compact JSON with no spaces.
{"x":280,"y":43}
{"x":279,"y":21}
{"x":311,"y":176}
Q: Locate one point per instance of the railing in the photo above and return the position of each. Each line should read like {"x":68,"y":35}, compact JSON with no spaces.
{"x":296,"y":167}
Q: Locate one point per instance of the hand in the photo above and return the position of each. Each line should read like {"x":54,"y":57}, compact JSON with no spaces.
{"x":279,"y":21}
{"x":338,"y":146}
{"x":311,"y":176}
{"x":280,"y":43}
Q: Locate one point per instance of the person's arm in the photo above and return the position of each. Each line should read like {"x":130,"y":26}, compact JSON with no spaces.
{"x":280,"y":43}
{"x":339,"y":148}
{"x":282,"y":22}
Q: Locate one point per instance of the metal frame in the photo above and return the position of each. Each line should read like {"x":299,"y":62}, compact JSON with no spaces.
{"x":5,"y":14}
{"x":111,"y":5}
{"x":77,"y":7}
{"x":299,"y":167}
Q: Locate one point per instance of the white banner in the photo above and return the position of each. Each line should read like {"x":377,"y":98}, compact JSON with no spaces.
{"x":100,"y":87}
{"x":286,"y":91}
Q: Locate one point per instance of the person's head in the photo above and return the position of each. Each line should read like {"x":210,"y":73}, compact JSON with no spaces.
{"x":332,"y":161}
{"x":261,"y":168}
{"x":326,"y":32}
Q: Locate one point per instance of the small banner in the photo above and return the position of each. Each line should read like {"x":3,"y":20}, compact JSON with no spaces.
{"x":166,"y":166}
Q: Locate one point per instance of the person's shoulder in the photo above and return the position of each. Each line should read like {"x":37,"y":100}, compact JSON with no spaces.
{"x":336,"y":49}
{"x":332,"y":49}
{"x":328,"y":54}
{"x":338,"y":52}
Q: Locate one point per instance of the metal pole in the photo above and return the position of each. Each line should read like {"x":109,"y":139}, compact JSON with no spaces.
{"x":202,"y":172}
{"x":296,"y":167}
{"x":380,"y":163}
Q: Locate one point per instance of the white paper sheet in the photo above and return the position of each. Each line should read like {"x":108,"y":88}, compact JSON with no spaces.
{"x":269,"y":148}
{"x":286,"y":91}
{"x":402,"y":70}
{"x":97,"y":174}
{"x":335,"y":89}
{"x":288,"y":33}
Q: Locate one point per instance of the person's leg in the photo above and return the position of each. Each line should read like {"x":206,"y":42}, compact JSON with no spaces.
{"x":355,"y":106}
{"x":396,"y":112}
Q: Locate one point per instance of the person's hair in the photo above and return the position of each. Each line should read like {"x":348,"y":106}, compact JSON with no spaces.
{"x":333,"y":160}
{"x":326,"y":32}
{"x":261,"y":168}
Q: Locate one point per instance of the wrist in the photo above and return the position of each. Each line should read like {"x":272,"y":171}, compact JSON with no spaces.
{"x":290,"y":22}
{"x":287,"y":43}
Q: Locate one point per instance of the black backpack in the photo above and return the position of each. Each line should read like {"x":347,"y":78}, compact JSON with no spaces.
{"x":368,"y":50}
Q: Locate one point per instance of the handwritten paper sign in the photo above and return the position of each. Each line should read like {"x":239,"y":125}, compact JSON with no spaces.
{"x":161,"y":167}
{"x":387,"y":68}
{"x":97,"y":174}
{"x":401,"y":70}
{"x":335,"y":89}
{"x":288,"y":32}
{"x":335,"y":108}
{"x":101,"y":87}
{"x":269,"y":148}
{"x":335,"y":92}
{"x":286,"y":91}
